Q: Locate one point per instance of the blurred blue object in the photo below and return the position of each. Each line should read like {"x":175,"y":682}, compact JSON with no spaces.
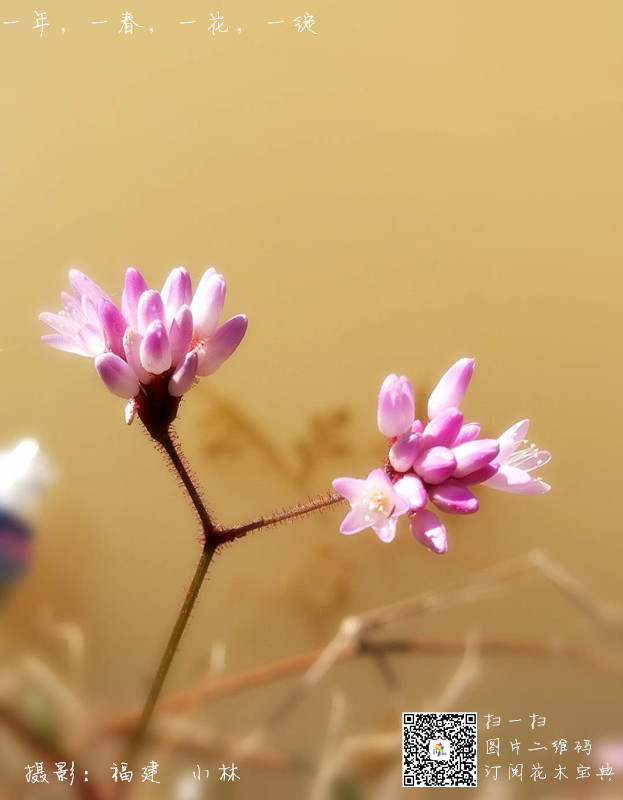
{"x":25,"y":474}
{"x":15,"y":547}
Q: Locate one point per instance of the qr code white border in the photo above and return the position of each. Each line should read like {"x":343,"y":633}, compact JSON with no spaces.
{"x":410,"y":718}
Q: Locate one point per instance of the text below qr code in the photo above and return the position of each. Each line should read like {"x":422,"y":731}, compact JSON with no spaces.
{"x":439,"y":750}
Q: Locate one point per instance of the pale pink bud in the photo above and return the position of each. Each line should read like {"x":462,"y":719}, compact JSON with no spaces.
{"x":218,"y":348}
{"x":413,"y":490}
{"x":468,"y":432}
{"x":435,"y":465}
{"x":132,"y":348}
{"x":443,"y":429}
{"x":176,"y":292}
{"x":207,"y":304}
{"x":113,"y":324}
{"x":450,"y":390}
{"x":184,"y":376}
{"x":154,"y":351}
{"x":427,"y":529}
{"x":181,"y":334}
{"x":150,"y":309}
{"x":453,"y":498}
{"x":396,"y":406}
{"x":116,"y":374}
{"x":480,"y":475}
{"x":472,"y":456}
{"x":134,"y":287}
{"x":404,"y":451}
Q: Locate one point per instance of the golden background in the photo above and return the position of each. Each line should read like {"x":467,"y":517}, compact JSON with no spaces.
{"x":415,"y":183}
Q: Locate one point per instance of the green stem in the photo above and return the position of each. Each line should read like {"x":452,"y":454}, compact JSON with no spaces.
{"x":171,"y":649}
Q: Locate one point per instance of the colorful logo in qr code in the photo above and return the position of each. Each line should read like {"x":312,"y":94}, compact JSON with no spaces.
{"x":439,"y":749}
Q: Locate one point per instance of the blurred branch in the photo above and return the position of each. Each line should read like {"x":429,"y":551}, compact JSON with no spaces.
{"x":231,"y":430}
{"x":295,"y":665}
{"x":354,"y":630}
{"x":357,"y":637}
{"x":190,"y":738}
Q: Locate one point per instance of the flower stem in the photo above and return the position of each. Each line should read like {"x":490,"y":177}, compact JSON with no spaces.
{"x":213,"y":537}
{"x":171,"y":649}
{"x":209,"y":530}
{"x":207,"y":524}
{"x":238,"y":531}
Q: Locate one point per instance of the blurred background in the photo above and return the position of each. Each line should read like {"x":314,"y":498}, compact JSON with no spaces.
{"x":399,"y":186}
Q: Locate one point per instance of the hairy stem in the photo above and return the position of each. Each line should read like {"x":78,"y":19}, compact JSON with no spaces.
{"x":213,"y":537}
{"x":171,"y":649}
{"x":209,"y":530}
{"x":207,"y":524}
{"x":287,"y":514}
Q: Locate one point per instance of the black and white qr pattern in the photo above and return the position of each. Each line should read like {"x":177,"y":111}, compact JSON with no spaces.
{"x":439,"y":750}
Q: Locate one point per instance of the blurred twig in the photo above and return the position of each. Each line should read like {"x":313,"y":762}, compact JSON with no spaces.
{"x":230,"y":431}
{"x":352,"y":641}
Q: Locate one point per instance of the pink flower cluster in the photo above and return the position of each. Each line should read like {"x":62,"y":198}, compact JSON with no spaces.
{"x":157,"y":342}
{"x":436,"y":461}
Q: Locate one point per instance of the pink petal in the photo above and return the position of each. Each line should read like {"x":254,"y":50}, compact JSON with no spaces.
{"x":113,"y":324}
{"x":154,"y":351}
{"x":530,"y":459}
{"x":450,"y":390}
{"x":413,"y":490}
{"x":517,"y":481}
{"x":184,"y":376}
{"x":118,"y":377}
{"x":176,"y":292}
{"x":181,"y":334}
{"x":480,"y":475}
{"x":472,"y":456}
{"x":396,"y":406}
{"x":435,"y":465}
{"x":61,"y":323}
{"x":356,"y":520}
{"x":70,"y":305}
{"x":512,"y":437}
{"x":83,"y":286}
{"x":404,"y":451}
{"x":220,"y":346}
{"x":385,"y":530}
{"x":150,"y":309}
{"x":468,"y":432}
{"x":443,"y":429}
{"x":453,"y":498}
{"x":427,"y":529}
{"x":132,"y":348}
{"x":134,"y":287}
{"x":349,"y":488}
{"x":207,"y":304}
{"x":88,"y":307}
{"x":68,"y":344}
{"x":92,"y":337}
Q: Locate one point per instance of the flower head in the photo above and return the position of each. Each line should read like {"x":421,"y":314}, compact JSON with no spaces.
{"x":515,"y":466}
{"x":374,"y":504}
{"x":435,"y":461}
{"x":150,"y":350}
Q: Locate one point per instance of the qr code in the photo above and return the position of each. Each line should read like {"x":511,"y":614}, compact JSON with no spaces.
{"x":439,"y":750}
